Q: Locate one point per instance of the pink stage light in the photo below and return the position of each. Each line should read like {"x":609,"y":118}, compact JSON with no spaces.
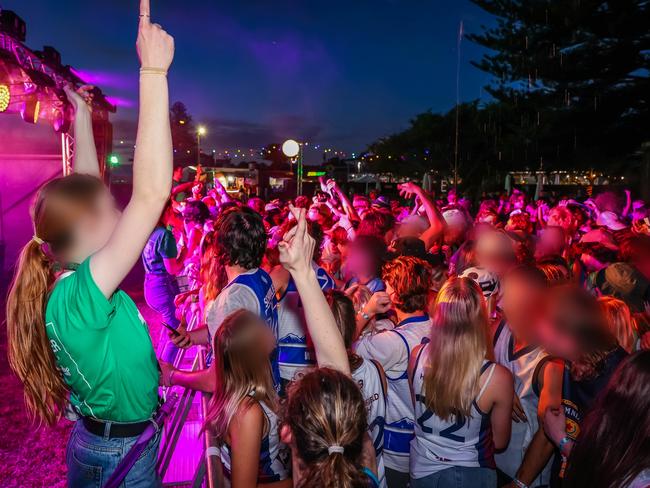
{"x":120,"y":102}
{"x":105,"y":79}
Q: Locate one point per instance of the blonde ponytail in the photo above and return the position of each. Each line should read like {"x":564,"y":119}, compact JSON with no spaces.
{"x":29,"y":352}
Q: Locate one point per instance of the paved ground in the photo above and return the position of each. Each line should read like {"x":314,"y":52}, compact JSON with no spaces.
{"x":33,"y":457}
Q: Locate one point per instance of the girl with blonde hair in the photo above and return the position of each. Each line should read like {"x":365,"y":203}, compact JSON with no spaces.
{"x":620,"y":322}
{"x":463,"y":401}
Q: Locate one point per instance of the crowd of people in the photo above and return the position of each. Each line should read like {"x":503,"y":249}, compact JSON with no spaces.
{"x":419,"y":339}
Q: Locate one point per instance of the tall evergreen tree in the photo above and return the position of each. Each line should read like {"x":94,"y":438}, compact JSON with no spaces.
{"x":183,"y":135}
{"x":573,"y":77}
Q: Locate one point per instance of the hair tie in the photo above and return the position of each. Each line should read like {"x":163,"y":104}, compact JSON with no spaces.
{"x":335,"y":449}
{"x":38,"y":240}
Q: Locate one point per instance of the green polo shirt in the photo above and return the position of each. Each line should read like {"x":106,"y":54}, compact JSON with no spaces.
{"x":102,"y":348}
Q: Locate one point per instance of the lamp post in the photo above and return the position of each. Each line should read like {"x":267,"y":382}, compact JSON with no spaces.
{"x":200,"y":131}
{"x":291,"y":149}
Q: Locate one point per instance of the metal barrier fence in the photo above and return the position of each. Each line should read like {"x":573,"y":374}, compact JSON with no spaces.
{"x":208,"y":471}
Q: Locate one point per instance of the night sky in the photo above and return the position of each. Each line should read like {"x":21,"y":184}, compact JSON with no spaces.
{"x":338,"y":73}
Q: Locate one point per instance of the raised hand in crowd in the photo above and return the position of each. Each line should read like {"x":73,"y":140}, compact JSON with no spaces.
{"x":296,"y":252}
{"x":85,"y":155}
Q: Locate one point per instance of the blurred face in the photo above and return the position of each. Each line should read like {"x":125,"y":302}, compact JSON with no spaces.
{"x":553,"y":338}
{"x":551,"y":241}
{"x":96,"y":228}
{"x":522,"y":304}
{"x":495,"y":253}
{"x":358,"y":261}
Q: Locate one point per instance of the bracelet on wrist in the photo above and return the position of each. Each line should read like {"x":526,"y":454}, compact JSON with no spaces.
{"x":519,"y":483}
{"x":565,"y":440}
{"x":153,"y":71}
{"x":364,"y":314}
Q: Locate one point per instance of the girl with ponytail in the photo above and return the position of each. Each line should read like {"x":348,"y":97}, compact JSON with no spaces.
{"x":74,"y":338}
{"x":326,"y":427}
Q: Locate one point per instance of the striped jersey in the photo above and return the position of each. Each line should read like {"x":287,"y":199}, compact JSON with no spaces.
{"x":252,"y":291}
{"x":275,"y":456}
{"x":295,"y":352}
{"x":524,"y":366}
{"x":392,"y":349}
{"x":369,"y":377}
{"x":440,"y":444}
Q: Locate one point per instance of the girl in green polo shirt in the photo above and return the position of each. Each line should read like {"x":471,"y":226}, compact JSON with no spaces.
{"x":75,"y":340}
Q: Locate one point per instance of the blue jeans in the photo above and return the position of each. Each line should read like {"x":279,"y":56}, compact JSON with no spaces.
{"x":91,"y":460}
{"x":458,"y":477}
{"x":159,"y":293}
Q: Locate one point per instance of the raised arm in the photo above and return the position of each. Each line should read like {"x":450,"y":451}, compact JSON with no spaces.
{"x":436,"y":220}
{"x":85,"y":154}
{"x":152,"y":165}
{"x":348,"y":208}
{"x":296,"y":251}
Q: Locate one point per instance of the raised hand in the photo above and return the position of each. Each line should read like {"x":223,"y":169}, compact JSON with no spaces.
{"x":379,"y":303}
{"x":409,"y":189}
{"x":80,"y":99}
{"x":155,"y":47}
{"x":297,"y":246}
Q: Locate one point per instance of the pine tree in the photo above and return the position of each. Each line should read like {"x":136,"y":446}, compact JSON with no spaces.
{"x":573,"y":77}
{"x":183,"y":135}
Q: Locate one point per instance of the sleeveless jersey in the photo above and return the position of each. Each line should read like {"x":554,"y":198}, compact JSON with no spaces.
{"x":399,"y":408}
{"x":259,"y":282}
{"x":524,"y":366}
{"x":275,"y":456}
{"x":295,"y":352}
{"x":368,"y":376}
{"x":579,"y":396}
{"x":440,"y":444}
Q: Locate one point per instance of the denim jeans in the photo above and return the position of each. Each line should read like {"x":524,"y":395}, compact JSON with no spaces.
{"x":458,"y":477}
{"x":91,"y":460}
{"x":159,"y":293}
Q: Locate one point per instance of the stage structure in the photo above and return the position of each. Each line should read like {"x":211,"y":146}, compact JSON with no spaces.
{"x":31,"y":85}
{"x":36,"y":143}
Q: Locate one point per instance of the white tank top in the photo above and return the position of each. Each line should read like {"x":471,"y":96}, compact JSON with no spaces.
{"x":399,"y":408}
{"x":523,"y":365}
{"x":368,"y":376}
{"x":275,"y":456}
{"x":295,"y":353}
{"x":440,"y":444}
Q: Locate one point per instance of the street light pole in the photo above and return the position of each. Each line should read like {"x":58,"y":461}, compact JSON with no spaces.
{"x":291,"y":149}
{"x":200,"y":131}
{"x":300,"y":169}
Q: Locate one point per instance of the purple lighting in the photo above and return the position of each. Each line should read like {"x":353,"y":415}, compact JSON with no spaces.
{"x":106,"y":79}
{"x":120,"y":102}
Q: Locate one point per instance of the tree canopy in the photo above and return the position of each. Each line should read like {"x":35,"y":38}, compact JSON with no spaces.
{"x":570,"y":88}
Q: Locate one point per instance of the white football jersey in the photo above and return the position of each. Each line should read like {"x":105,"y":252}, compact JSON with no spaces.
{"x":523,"y":365}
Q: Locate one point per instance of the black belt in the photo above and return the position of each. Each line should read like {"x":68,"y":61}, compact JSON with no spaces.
{"x":115,"y":430}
